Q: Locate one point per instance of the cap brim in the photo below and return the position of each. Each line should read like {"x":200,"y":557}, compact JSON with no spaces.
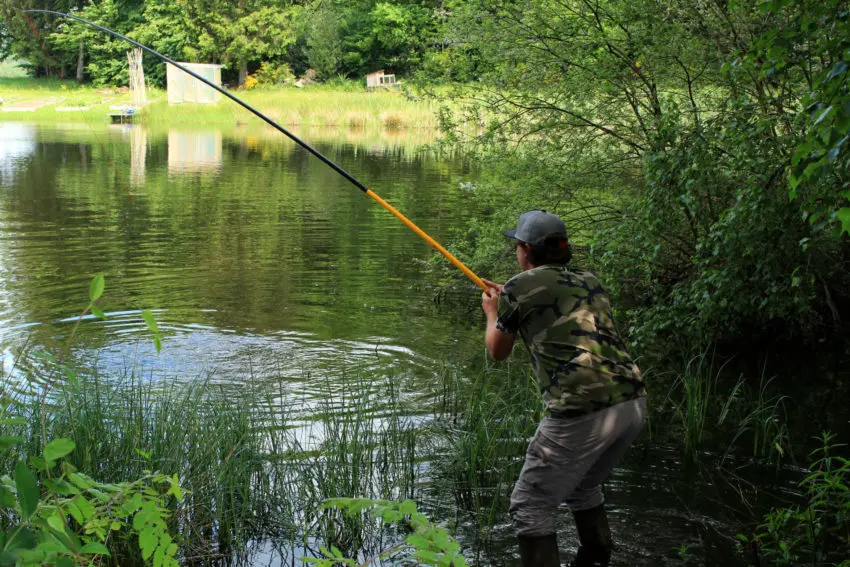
{"x":510,"y":233}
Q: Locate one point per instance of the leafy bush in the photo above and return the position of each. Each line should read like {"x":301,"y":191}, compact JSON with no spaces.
{"x":817,"y":533}
{"x":711,"y":198}
{"x":58,"y":516}
{"x":429,"y":544}
{"x":250,"y":82}
{"x":54,"y":515}
{"x":273,"y":74}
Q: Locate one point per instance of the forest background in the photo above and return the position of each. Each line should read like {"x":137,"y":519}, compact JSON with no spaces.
{"x":697,"y":150}
{"x":705,"y":142}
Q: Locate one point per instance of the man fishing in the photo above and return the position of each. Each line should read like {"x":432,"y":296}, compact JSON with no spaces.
{"x":593,"y":392}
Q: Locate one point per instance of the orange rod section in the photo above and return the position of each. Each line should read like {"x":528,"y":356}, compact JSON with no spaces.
{"x":436,"y":245}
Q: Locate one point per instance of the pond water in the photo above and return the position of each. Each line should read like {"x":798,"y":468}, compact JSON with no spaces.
{"x":259,"y":263}
{"x":241,"y":243}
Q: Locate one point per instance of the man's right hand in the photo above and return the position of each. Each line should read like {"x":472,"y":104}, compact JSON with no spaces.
{"x":494,"y":285}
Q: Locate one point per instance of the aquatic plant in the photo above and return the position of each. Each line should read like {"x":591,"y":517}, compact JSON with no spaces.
{"x":710,"y":413}
{"x":51,"y":513}
{"x":816,"y":532}
{"x":426,"y":542}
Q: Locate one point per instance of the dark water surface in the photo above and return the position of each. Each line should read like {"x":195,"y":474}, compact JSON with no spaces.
{"x":241,"y":242}
{"x":259,"y":263}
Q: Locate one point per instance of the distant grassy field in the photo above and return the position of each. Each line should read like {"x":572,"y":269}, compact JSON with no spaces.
{"x":10,"y":69}
{"x":314,"y":105}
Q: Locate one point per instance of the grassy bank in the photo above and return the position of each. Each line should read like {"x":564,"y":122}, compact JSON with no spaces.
{"x":252,"y":471}
{"x":255,"y":463}
{"x":11,"y":70}
{"x":257,"y":467}
{"x":314,"y":105}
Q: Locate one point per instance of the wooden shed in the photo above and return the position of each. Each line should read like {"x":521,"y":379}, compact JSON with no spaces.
{"x":183,"y":87}
{"x":380,"y":79}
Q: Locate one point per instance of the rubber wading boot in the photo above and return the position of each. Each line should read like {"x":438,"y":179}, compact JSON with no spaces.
{"x":594,"y":535}
{"x":539,"y":551}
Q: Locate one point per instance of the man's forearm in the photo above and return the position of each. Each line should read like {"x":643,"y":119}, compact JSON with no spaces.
{"x":499,"y":344}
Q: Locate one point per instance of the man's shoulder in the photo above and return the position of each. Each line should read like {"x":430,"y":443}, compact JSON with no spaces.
{"x":580,"y":275}
{"x":526,"y":279}
{"x":549,"y":273}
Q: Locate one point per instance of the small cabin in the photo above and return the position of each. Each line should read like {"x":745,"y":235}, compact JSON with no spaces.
{"x":380,"y":79}
{"x":183,"y":87}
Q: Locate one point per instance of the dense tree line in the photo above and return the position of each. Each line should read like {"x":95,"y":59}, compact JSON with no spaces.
{"x":333,"y":37}
{"x":698,"y":150}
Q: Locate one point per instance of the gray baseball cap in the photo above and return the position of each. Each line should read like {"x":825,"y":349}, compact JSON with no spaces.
{"x":536,"y":226}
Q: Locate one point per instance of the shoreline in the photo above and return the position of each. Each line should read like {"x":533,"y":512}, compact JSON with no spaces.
{"x":49,"y":100}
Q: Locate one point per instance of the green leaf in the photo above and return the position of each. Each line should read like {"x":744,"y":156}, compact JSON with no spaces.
{"x":95,"y":310}
{"x":31,"y":557}
{"x":80,"y":481}
{"x":23,"y":539}
{"x":430,"y":557}
{"x":154,"y":328}
{"x":55,"y":522}
{"x":151,"y":322}
{"x":65,"y":562}
{"x":175,"y":487}
{"x":6,"y":442}
{"x":100,"y":495}
{"x":7,"y":500}
{"x":74,"y":510}
{"x":418,"y":541}
{"x":39,"y":463}
{"x":844,"y":216}
{"x":28,"y":494}
{"x":60,"y":486}
{"x":159,"y":557}
{"x":58,"y":448}
{"x":96,"y":287}
{"x":86,"y":507}
{"x":147,"y":542}
{"x":407,"y":507}
{"x":94,"y":548}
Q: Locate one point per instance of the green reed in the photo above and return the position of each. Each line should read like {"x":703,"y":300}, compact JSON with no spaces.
{"x":485,"y":417}
{"x":342,"y":106}
{"x":366,"y":449}
{"x":713,"y":410}
{"x":259,"y":463}
{"x":237,"y":452}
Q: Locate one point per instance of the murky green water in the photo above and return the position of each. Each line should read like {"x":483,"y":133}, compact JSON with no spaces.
{"x":260,"y":262}
{"x":242,"y":243}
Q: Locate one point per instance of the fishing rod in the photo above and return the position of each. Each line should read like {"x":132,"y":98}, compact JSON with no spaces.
{"x":434,"y":244}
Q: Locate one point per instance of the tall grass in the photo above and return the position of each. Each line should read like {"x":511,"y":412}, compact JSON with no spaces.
{"x":484,"y":420}
{"x":713,"y":410}
{"x":315,"y":105}
{"x":258,"y":463}
{"x":239,"y":455}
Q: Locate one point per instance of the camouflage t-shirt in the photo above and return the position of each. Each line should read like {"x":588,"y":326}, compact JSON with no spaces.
{"x":564,"y":318}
